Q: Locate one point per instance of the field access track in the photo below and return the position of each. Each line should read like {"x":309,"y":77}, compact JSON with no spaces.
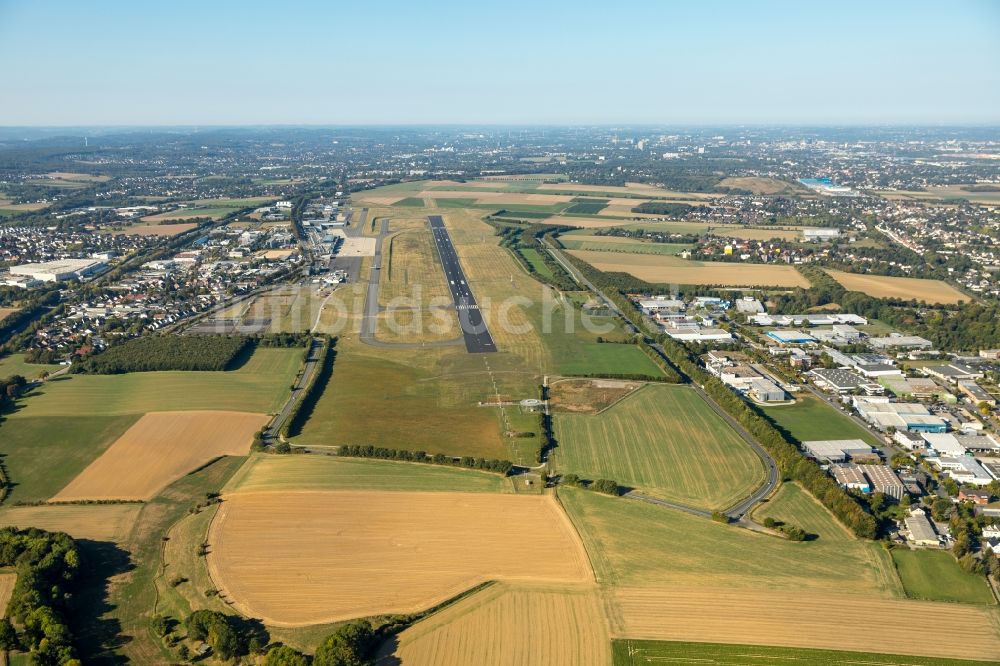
{"x":474,"y":330}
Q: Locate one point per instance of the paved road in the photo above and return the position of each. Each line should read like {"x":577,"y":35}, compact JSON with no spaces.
{"x":635,"y":495}
{"x":474,"y":330}
{"x":738,"y":511}
{"x":311,"y":366}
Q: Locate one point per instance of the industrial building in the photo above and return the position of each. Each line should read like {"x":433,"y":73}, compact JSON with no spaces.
{"x":764,"y":390}
{"x":899,"y":415}
{"x":976,"y":393}
{"x":837,"y":450}
{"x":885,"y":481}
{"x":58,"y":270}
{"x":839,"y":380}
{"x":817,"y":234}
{"x":851,"y":477}
{"x":791,"y":337}
{"x":920,"y":530}
{"x":897,"y":341}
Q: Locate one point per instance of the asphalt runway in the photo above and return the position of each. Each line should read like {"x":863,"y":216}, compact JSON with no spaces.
{"x":474,"y":330}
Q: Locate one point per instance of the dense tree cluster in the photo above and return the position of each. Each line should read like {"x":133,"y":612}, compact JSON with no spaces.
{"x":350,"y":645}
{"x":284,"y":340}
{"x":47,"y":564}
{"x":367,"y":451}
{"x":11,"y":389}
{"x":168,"y":352}
{"x":229,"y":636}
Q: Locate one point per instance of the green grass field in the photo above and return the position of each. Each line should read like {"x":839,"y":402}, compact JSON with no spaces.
{"x":935,"y":575}
{"x":810,"y":418}
{"x":44,"y":453}
{"x":662,"y":440}
{"x":643,"y":653}
{"x":586,"y":207}
{"x":15,"y":365}
{"x":260,"y":385}
{"x":313,"y":472}
{"x":637,"y":544}
{"x":372,"y":399}
{"x":581,"y":358}
{"x":532,"y":257}
{"x":61,"y":427}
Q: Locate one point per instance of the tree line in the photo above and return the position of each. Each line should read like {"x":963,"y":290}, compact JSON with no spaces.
{"x":502,"y":467}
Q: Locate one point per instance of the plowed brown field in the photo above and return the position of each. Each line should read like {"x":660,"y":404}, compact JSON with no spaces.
{"x":301,"y":558}
{"x":160,"y":448}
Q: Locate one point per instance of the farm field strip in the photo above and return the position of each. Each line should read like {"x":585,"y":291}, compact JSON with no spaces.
{"x":347,"y":554}
{"x":666,"y":269}
{"x":160,"y":448}
{"x":269,"y":473}
{"x":663,"y":440}
{"x":646,"y":653}
{"x":98,"y":522}
{"x":7,"y":581}
{"x":804,"y":619}
{"x":884,"y":286}
{"x":512,"y":626}
{"x":260,"y":385}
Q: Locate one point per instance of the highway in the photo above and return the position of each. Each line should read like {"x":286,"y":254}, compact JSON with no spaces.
{"x":474,"y":330}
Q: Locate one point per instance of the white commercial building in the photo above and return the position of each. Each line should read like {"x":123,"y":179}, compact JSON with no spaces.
{"x":58,"y":270}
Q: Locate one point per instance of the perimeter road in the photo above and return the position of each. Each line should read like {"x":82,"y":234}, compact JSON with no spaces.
{"x":309,"y":367}
{"x":474,"y":330}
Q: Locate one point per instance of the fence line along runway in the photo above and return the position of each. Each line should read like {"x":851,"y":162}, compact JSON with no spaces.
{"x":474,"y":330}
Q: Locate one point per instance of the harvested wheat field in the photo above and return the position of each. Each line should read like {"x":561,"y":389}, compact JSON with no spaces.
{"x":157,"y":229}
{"x":6,"y":311}
{"x":7,"y":581}
{"x":99,"y":522}
{"x":510,"y":626}
{"x":883,"y":286}
{"x":346,"y":554}
{"x":160,"y":448}
{"x":805,"y":619}
{"x":673,"y":270}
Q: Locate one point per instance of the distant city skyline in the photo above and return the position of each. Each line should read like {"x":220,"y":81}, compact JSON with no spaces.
{"x":516,"y":63}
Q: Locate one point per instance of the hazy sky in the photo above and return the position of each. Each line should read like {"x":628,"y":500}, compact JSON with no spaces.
{"x":706,"y":61}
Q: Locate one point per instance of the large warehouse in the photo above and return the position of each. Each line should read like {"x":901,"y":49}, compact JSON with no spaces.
{"x":58,"y":270}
